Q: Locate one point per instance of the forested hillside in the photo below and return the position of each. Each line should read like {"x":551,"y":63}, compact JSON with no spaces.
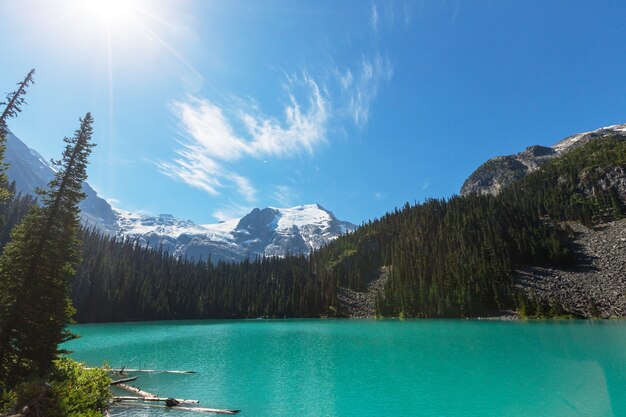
{"x":447,"y":258}
{"x":457,"y":257}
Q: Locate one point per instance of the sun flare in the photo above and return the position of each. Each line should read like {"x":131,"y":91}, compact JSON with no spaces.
{"x":113,"y":12}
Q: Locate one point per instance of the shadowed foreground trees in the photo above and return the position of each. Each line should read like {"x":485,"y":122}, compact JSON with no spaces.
{"x":35,"y":267}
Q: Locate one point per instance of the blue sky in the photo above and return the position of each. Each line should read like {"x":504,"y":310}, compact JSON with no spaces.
{"x":206,"y":109}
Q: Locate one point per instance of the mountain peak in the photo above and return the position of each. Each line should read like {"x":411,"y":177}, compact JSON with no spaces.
{"x":498,"y":172}
{"x":270,"y":231}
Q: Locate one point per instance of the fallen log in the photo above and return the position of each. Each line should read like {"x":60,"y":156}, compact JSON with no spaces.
{"x":152,"y":371}
{"x":156,"y":399}
{"x":195,"y":409}
{"x":120,"y":381}
{"x":207,"y":410}
{"x":135,"y":390}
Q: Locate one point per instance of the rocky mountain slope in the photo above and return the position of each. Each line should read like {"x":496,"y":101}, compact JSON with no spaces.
{"x":597,"y":286}
{"x":501,"y":171}
{"x":262,"y":232}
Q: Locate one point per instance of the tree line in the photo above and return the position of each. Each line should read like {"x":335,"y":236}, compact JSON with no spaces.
{"x":448,"y":257}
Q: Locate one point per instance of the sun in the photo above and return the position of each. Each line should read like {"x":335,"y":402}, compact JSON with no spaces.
{"x":110,"y":12}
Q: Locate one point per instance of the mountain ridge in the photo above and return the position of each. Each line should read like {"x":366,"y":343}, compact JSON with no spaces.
{"x":262,"y":232}
{"x":270,"y":231}
{"x":500,"y":171}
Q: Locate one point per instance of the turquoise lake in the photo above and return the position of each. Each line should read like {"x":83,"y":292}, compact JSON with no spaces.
{"x":442,"y":368}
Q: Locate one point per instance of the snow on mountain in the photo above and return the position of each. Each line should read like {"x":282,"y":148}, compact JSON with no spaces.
{"x":129,"y":223}
{"x":262,"y":232}
{"x":30,"y":171}
{"x":580,"y":139}
{"x":501,"y":171}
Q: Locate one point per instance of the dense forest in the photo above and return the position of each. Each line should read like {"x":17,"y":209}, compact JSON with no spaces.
{"x":449,"y":258}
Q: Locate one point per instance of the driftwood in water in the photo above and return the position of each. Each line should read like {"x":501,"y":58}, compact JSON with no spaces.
{"x":136,"y":390}
{"x":156,"y":399}
{"x":196,"y":409}
{"x":152,"y":371}
{"x":207,"y":410}
{"x":170,"y":403}
{"x":119,"y":381}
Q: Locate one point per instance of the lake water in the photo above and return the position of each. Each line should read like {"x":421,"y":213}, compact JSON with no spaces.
{"x":359,"y":368}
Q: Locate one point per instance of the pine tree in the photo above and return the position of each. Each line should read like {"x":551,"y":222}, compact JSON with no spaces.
{"x":12,"y":107}
{"x":35,"y":266}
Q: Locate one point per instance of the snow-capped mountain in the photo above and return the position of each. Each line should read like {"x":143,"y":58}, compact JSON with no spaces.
{"x":262,"y":232}
{"x":501,"y":171}
{"x":30,"y":171}
{"x":267,"y":232}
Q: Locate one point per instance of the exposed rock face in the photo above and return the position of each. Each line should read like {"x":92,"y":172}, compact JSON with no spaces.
{"x":608,"y":178}
{"x":362,"y":304}
{"x":595,"y":288}
{"x":501,"y":171}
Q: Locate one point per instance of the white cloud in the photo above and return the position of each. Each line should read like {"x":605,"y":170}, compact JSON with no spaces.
{"x":194,"y":169}
{"x":206,"y":124}
{"x":300,"y":131}
{"x":372,"y":71}
{"x":284,"y":195}
{"x":113,"y":201}
{"x":374,"y":18}
{"x":346,"y":80}
{"x":245,"y":188}
{"x":210,"y":146}
{"x":407,"y":13}
{"x":231,"y":211}
{"x":215,"y":139}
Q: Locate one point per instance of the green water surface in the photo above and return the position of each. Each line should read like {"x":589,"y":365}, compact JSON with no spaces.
{"x":359,"y":368}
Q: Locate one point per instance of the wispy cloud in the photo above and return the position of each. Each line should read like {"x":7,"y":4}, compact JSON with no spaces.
{"x":231,"y":211}
{"x":113,"y":201}
{"x":361,"y":89}
{"x":374,"y":18}
{"x":407,"y":13}
{"x":210,"y":145}
{"x":345,"y":80}
{"x":216,"y":138}
{"x":245,"y":187}
{"x":284,"y":195}
{"x":300,"y":130}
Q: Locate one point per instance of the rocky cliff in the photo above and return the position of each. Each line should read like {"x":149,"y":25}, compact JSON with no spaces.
{"x":501,"y":171}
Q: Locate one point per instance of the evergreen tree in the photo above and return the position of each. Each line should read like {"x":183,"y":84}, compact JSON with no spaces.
{"x":12,"y":107}
{"x":35,"y":266}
